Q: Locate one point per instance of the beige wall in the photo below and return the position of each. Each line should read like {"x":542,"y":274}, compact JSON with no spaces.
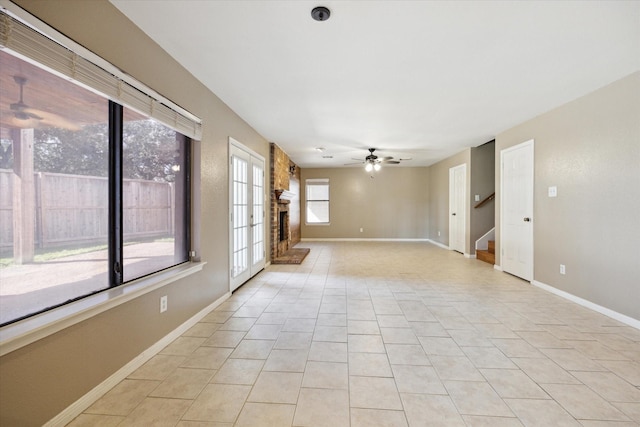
{"x":590,"y":150}
{"x":439,"y":197}
{"x":40,"y":380}
{"x":392,"y":205}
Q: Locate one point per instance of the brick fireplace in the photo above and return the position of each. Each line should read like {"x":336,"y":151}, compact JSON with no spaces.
{"x":285,"y":203}
{"x":281,"y":229}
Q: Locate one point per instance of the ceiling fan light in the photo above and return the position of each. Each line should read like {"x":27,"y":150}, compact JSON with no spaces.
{"x":376,"y":167}
{"x":368,"y":167}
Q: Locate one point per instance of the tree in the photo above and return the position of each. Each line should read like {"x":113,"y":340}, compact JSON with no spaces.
{"x":150,"y":151}
{"x":82,"y":152}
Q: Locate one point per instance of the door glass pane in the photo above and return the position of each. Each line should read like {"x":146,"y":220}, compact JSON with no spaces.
{"x":154,"y":196}
{"x":53,"y":190}
{"x":258,"y":217}
{"x":240,"y":216}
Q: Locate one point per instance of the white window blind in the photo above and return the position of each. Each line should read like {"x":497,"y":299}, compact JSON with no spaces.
{"x":33,"y":46}
{"x":317,"y":197}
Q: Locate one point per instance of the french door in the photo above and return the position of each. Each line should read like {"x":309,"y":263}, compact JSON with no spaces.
{"x":458,"y":207}
{"x":247,"y":213}
{"x":516,"y":217}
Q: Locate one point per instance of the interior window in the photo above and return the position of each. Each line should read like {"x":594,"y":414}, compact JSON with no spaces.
{"x":53,"y":190}
{"x":60,"y":207}
{"x":317,"y":201}
{"x":153,"y":190}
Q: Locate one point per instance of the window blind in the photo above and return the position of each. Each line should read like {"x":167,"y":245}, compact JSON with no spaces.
{"x":30,"y":44}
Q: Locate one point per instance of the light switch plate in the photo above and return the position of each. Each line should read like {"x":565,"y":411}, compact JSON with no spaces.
{"x":553,"y":191}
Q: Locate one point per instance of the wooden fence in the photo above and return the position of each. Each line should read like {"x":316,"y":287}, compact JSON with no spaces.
{"x":74,"y":208}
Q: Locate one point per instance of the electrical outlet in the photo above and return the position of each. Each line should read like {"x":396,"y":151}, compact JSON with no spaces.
{"x":361,"y":229}
{"x":477,"y":198}
{"x":438,"y":233}
{"x":163,"y":303}
{"x":563,"y":269}
{"x":553,"y":191}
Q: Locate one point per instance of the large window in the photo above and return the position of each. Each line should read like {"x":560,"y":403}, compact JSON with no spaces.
{"x":92,"y":194}
{"x":317,"y":197}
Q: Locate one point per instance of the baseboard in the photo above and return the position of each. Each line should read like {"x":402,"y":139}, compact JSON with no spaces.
{"x":497,"y":267}
{"x":80,"y":405}
{"x":590,"y":305}
{"x":345,"y":239}
{"x":440,"y":245}
{"x":470,"y":256}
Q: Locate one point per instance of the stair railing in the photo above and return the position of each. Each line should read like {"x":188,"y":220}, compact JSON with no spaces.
{"x":487,"y":199}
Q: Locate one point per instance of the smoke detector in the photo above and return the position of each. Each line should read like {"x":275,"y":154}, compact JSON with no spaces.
{"x":320,"y":13}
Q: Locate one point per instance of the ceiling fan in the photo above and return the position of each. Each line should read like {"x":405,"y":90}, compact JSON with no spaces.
{"x":33,"y":117}
{"x":373,"y":162}
{"x":21,"y":110}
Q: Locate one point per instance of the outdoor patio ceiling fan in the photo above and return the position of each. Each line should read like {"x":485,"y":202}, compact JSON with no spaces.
{"x":373,"y":163}
{"x":21,"y":110}
{"x":33,"y":117}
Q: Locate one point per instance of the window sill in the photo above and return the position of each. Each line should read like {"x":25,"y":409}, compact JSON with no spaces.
{"x":32,"y":329}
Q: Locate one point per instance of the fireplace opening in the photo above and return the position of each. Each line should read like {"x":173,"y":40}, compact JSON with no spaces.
{"x":283,"y":226}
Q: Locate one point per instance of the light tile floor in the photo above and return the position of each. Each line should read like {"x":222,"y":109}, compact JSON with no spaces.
{"x":386,"y":334}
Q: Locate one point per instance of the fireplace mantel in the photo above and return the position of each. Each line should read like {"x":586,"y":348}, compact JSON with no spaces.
{"x":284,"y":195}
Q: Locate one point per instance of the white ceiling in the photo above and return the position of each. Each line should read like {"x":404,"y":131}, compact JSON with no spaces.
{"x":419,"y":79}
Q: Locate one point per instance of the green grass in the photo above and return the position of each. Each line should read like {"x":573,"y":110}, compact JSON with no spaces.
{"x":51,"y":255}
{"x":44,"y":255}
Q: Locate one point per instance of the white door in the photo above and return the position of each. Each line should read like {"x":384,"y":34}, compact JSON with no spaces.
{"x":516,"y":221}
{"x":457,"y":207}
{"x":247,"y":216}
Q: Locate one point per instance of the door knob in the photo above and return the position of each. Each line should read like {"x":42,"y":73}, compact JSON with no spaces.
{"x":527,"y":219}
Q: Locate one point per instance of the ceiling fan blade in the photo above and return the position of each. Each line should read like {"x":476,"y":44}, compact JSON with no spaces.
{"x":350,"y":164}
{"x":391,"y":162}
{"x":24,"y":115}
{"x":12,"y":121}
{"x":51,"y":119}
{"x":387,"y":158}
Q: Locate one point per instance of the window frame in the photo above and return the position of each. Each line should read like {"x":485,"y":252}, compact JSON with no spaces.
{"x":35,"y":326}
{"x":317,"y":182}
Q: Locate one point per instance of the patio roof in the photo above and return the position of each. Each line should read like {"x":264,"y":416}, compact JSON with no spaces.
{"x":52,"y":101}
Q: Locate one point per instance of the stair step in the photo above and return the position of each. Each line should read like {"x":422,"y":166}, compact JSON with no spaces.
{"x":492,"y":246}
{"x":486,"y":256}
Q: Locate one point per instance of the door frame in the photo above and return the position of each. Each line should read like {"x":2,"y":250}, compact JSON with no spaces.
{"x":235,"y":144}
{"x":452,"y":171}
{"x":504,"y":151}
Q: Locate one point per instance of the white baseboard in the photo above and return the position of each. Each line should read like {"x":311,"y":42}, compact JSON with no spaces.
{"x":588,"y":304}
{"x":470,"y":256}
{"x":497,"y":267}
{"x":440,"y":245}
{"x":80,"y":405}
{"x":345,"y":239}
